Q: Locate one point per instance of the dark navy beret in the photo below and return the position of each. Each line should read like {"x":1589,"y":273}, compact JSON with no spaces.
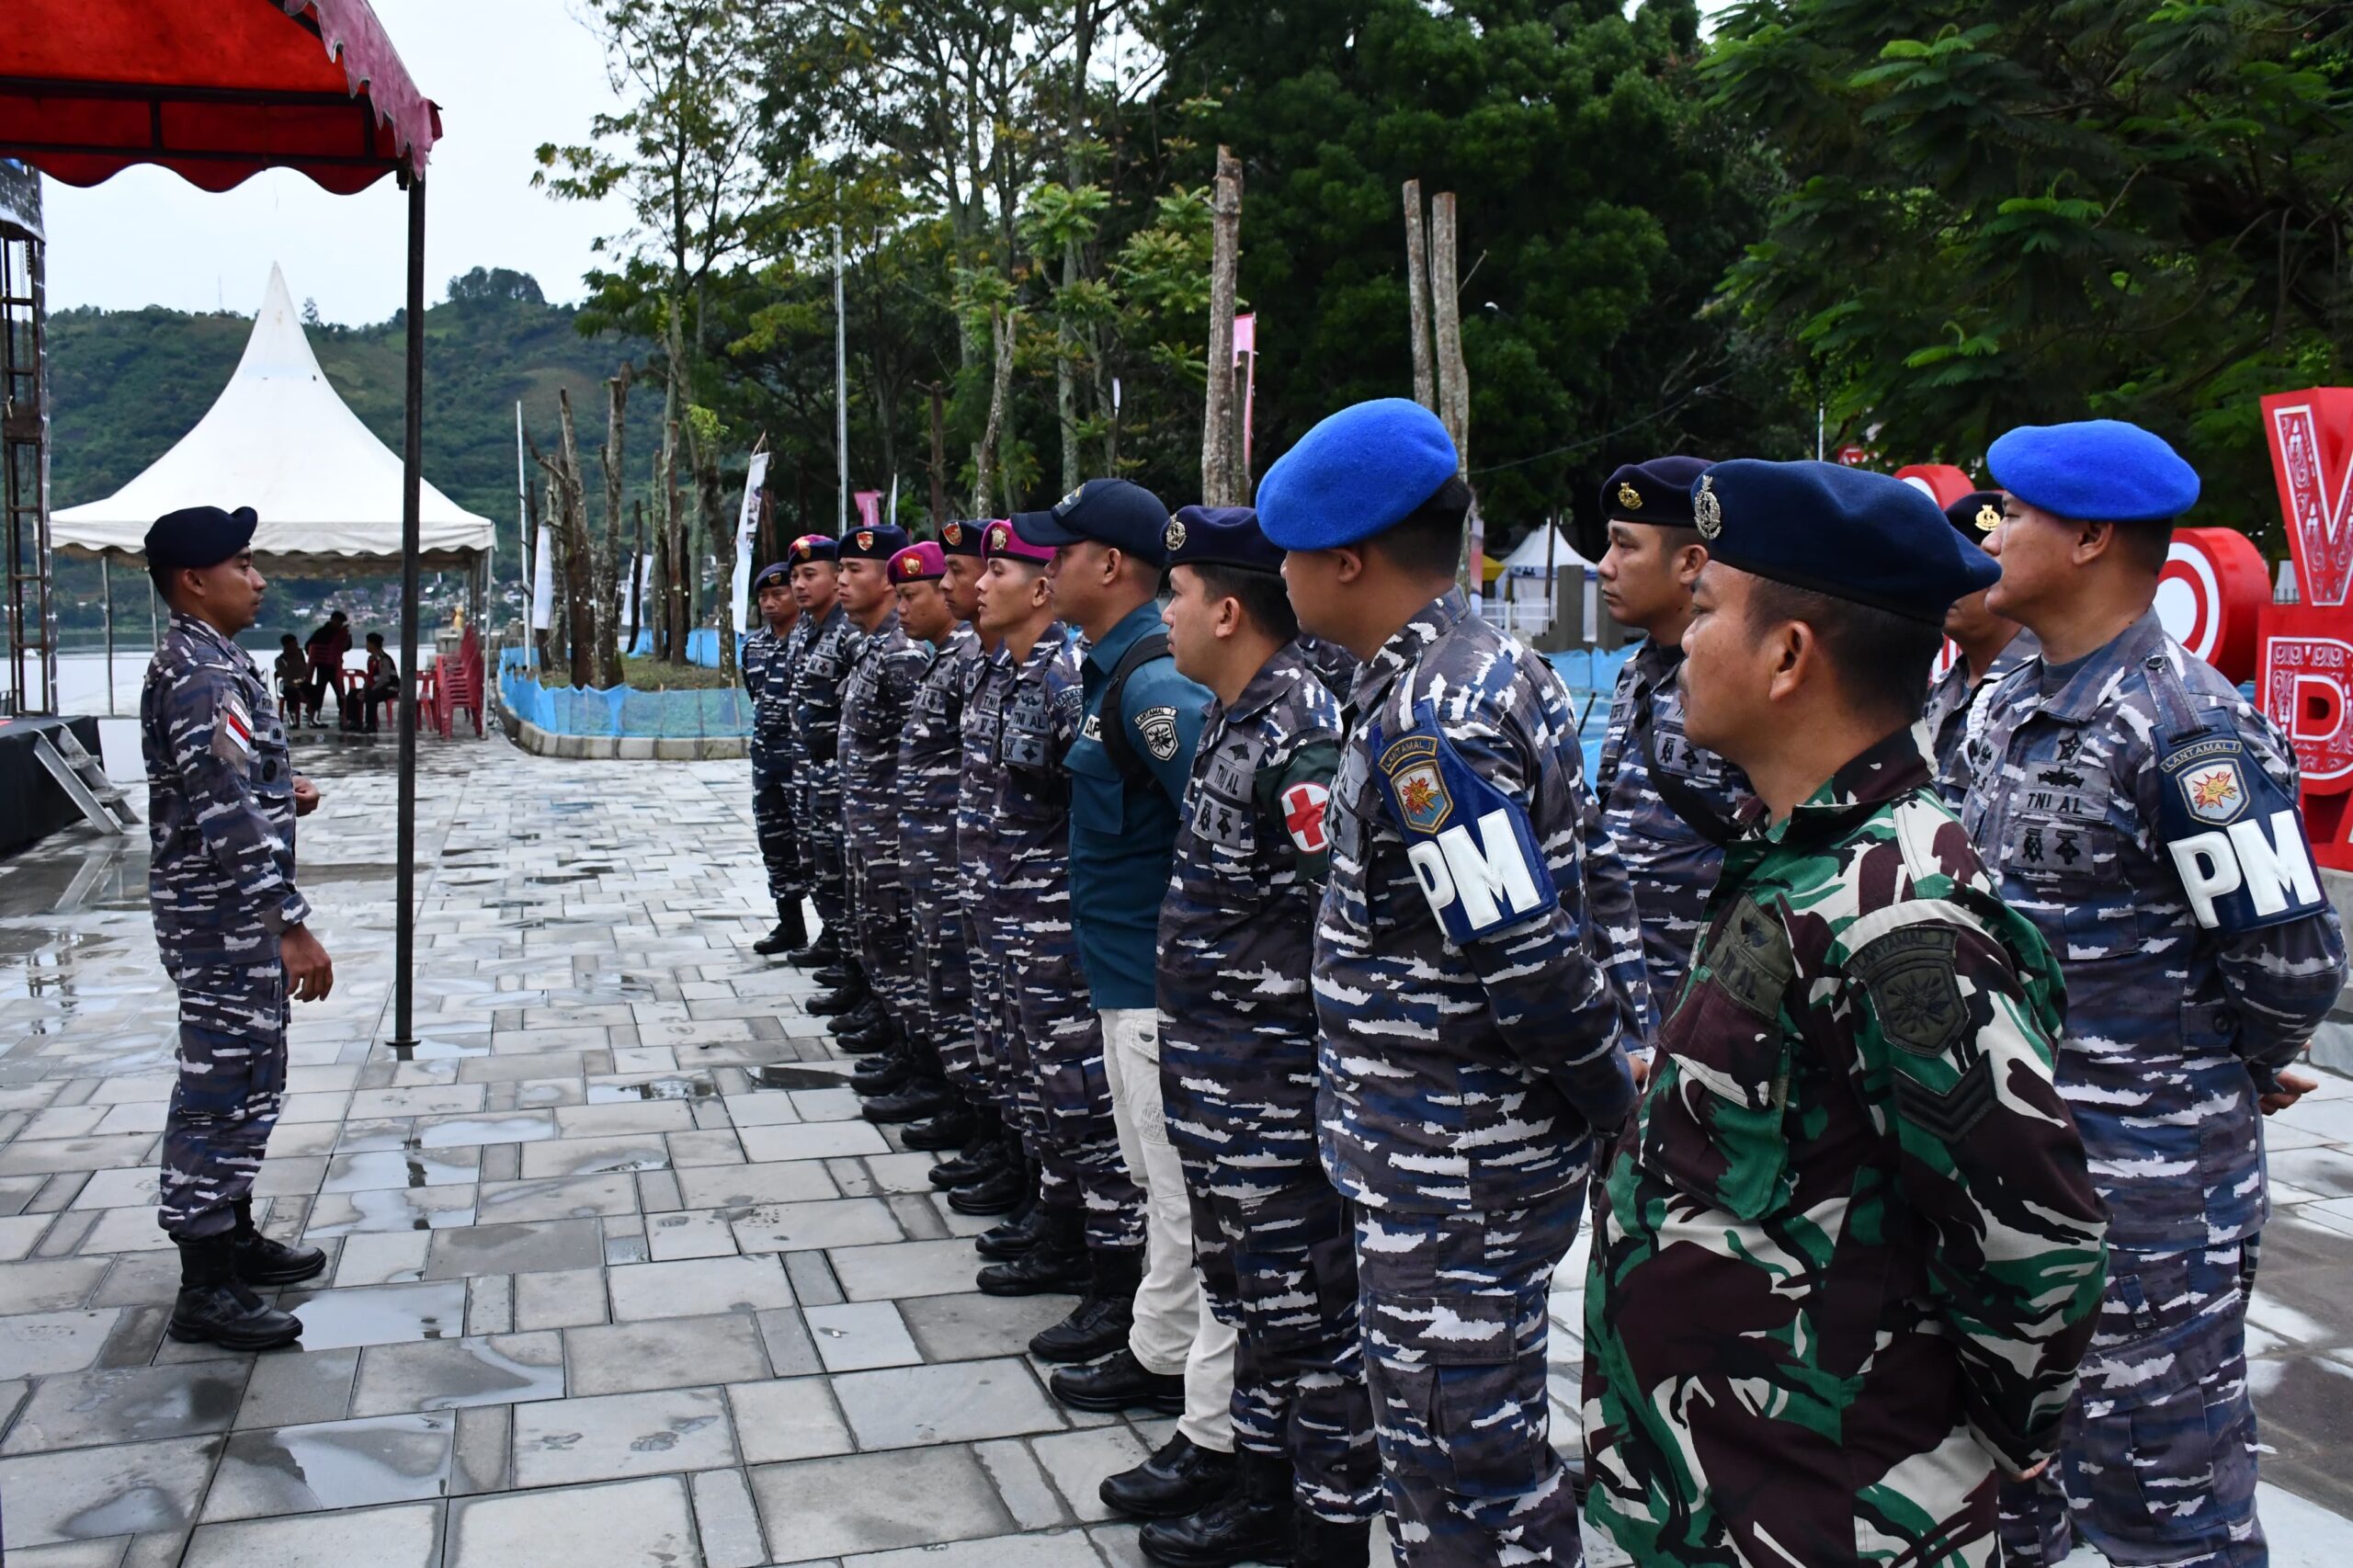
{"x":2101,"y":470}
{"x":1658,"y":491}
{"x":199,"y":536}
{"x":1115,"y":512}
{"x":812,"y":547}
{"x":1976,"y":513}
{"x":1359,"y":473}
{"x":1846,"y":532}
{"x":873,"y":544}
{"x":777,"y":572}
{"x":1223,"y":535}
{"x":960,"y":536}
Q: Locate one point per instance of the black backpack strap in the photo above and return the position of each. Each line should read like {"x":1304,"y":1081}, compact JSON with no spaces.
{"x":1685,"y":802}
{"x":1114,"y":728}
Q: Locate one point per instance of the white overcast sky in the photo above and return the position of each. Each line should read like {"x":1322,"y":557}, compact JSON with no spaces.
{"x":509,"y":75}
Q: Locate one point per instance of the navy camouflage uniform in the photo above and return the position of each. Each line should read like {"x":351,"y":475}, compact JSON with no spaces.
{"x":2173,"y":1029}
{"x":817,"y":727}
{"x":1333,"y":664}
{"x":220,"y":881}
{"x":1238,"y":1037}
{"x":1468,"y":1058}
{"x":981,"y":778}
{"x":1672,"y":860}
{"x":931,"y":803}
{"x":1055,"y":1038}
{"x":1956,"y":713}
{"x":767,"y":665}
{"x":877,"y":697}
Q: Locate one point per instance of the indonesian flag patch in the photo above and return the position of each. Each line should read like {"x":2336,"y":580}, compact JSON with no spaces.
{"x":1304,"y":816}
{"x":235,"y":731}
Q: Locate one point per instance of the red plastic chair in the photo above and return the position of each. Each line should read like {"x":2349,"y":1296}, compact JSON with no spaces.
{"x":458,"y":683}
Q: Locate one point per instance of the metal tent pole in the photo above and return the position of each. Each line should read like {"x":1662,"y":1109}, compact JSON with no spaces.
{"x":411,"y":465}
{"x":105,"y":588}
{"x":841,"y":394}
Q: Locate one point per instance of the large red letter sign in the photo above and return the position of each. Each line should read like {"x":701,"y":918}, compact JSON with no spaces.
{"x":2307,"y":679}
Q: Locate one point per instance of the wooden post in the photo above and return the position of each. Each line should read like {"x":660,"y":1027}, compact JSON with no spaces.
{"x":1218,"y":486}
{"x":1453,"y":377}
{"x":1418,"y":290}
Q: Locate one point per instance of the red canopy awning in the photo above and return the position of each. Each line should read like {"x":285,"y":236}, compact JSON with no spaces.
{"x":215,"y":90}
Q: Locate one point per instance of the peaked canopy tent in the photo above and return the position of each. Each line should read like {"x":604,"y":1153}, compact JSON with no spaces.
{"x":279,"y":440}
{"x":217,"y":91}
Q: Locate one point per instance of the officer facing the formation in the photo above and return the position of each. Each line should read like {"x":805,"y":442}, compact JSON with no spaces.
{"x":824,"y":642}
{"x":230,"y":926}
{"x":930,"y":774}
{"x":1990,"y":646}
{"x":1477,"y":965}
{"x":1128,"y":774}
{"x":1669,"y":806}
{"x":2144,"y":815}
{"x":1846,"y":1260}
{"x":768,"y":656}
{"x":1237,"y":1064}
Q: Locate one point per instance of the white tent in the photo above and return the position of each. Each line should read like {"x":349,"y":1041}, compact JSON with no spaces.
{"x":1528,"y":559}
{"x":279,"y":440}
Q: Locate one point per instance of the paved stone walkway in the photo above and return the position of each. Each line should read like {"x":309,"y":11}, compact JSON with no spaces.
{"x":617,"y":1275}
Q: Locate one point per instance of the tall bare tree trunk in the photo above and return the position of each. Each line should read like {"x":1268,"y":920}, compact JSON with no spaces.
{"x":1218,"y":486}
{"x":1453,"y":376}
{"x":557,"y":651}
{"x":1418,"y":289}
{"x":939,"y":463}
{"x":986,"y":450}
{"x":674,"y":551}
{"x":719,"y":523}
{"x":639,"y":587}
{"x":579,"y":550}
{"x":614,"y":458}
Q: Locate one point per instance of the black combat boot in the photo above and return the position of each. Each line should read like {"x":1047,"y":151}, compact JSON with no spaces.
{"x":1320,"y":1543}
{"x":882,"y":1075}
{"x":791,"y":931}
{"x":1119,"y":1382}
{"x":826,"y":950}
{"x":215,"y":1308}
{"x":843,"y":999}
{"x":984,"y":1149}
{"x":1181,"y":1478}
{"x":951,"y":1127}
{"x":865,"y":1018}
{"x":835,"y":975}
{"x":877,"y":1034}
{"x":919,"y":1098}
{"x":1016,"y":1235}
{"x":261,"y":1261}
{"x":999,"y":1192}
{"x":1254,"y":1522}
{"x":1100,"y":1323}
{"x":1057,"y":1264}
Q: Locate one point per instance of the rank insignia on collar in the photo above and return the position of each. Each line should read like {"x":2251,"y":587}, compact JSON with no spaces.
{"x":1629,"y":497}
{"x":1988,"y":518}
{"x":1708,"y":508}
{"x":1175,"y":538}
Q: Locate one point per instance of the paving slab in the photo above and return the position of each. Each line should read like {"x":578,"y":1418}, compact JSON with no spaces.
{"x":404,"y":1536}
{"x":336,"y":1464}
{"x":646,"y":1521}
{"x":860,"y":1503}
{"x":616,"y":1435}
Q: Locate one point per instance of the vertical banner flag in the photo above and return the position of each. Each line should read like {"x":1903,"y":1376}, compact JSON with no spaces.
{"x":870,"y":506}
{"x":748,"y":528}
{"x":543,"y":579}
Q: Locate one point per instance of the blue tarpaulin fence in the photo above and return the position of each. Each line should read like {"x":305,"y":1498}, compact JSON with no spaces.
{"x":702,"y":645}
{"x":620,"y":710}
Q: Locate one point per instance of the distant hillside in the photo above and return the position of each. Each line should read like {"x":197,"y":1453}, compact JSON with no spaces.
{"x":125,"y":385}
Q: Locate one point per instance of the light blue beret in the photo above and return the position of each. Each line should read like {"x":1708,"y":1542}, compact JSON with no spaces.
{"x":1356,"y":474}
{"x":2100,"y":470}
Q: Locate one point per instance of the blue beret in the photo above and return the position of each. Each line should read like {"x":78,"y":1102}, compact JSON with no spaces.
{"x":1357,"y":473}
{"x":961,"y":536}
{"x":2100,"y":470}
{"x":1976,"y":513}
{"x":777,"y":572}
{"x":873,"y":544}
{"x":1846,"y":532}
{"x":1116,"y":512}
{"x":1226,"y":536}
{"x":198,"y":536}
{"x":1658,"y":491}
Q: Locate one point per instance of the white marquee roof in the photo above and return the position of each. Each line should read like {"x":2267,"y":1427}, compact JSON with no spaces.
{"x":279,"y":440}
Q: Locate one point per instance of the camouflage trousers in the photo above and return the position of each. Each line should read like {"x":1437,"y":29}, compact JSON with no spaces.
{"x":886,"y":945}
{"x":819,"y":786}
{"x":780,"y":848}
{"x":985,"y":973}
{"x":1058,"y":1047}
{"x":1453,"y":1312}
{"x":2156,"y":1463}
{"x":231,"y":1078}
{"x":944,"y":979}
{"x":1281,"y":1271}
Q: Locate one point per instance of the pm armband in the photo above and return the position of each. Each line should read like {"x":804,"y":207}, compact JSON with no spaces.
{"x":1469,"y":843}
{"x":2235,"y":838}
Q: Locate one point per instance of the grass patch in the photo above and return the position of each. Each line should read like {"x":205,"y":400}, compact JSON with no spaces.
{"x":649,"y":675}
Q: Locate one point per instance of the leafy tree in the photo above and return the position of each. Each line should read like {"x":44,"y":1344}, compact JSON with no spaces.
{"x":2048,"y":210}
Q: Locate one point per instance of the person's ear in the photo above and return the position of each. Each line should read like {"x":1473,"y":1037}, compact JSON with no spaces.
{"x":2092,"y":541}
{"x":1347,"y":564}
{"x":1687,"y":562}
{"x":1229,"y":618}
{"x":1796,"y":653}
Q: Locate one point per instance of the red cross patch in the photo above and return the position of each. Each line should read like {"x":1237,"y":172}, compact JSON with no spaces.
{"x":1303,"y":815}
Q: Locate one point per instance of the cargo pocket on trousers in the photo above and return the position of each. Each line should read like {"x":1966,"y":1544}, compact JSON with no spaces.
{"x":1078,"y":1100}
{"x":1447,"y":1385}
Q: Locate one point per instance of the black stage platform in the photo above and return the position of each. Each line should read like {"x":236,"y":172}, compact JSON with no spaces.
{"x":32,"y":806}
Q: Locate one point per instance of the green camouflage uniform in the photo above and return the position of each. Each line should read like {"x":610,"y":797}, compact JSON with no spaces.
{"x":1849,"y":1256}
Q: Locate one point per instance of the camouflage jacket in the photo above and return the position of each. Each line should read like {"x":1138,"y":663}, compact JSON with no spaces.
{"x":1956,"y":713}
{"x":1468,"y":1076}
{"x":877,"y":698}
{"x":817,"y":681}
{"x":1334,"y":665}
{"x":1037,"y":715}
{"x":220,"y":803}
{"x":1238,"y":930}
{"x":979,"y":779}
{"x":767,"y":665}
{"x":1671,"y":862}
{"x":1849,"y":1254}
{"x":2172,"y":1028}
{"x":931,"y":769}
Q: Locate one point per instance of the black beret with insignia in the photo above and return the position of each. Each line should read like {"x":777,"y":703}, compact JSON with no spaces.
{"x":961,"y":536}
{"x":1976,"y":514}
{"x":811,"y":547}
{"x":873,"y":544}
{"x":1227,"y":536}
{"x":1656,"y":492}
{"x":1846,"y":532}
{"x":199,"y":536}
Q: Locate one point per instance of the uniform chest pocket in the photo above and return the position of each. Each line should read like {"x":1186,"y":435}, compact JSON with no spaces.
{"x":1712,"y":1122}
{"x":931,"y":700}
{"x":1681,"y":758}
{"x":1098,"y":794}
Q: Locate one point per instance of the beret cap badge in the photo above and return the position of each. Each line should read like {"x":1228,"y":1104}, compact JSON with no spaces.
{"x":1630,"y":496}
{"x":952,"y":532}
{"x":866,"y":539}
{"x":1708,"y":509}
{"x":1988,"y":519}
{"x":1175,"y":538}
{"x":997,"y":537}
